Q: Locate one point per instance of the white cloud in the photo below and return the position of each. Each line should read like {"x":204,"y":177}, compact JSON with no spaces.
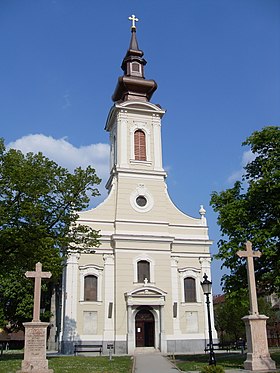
{"x":247,"y":157}
{"x":67,"y":155}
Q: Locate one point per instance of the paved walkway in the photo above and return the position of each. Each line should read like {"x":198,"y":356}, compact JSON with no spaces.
{"x":152,"y":362}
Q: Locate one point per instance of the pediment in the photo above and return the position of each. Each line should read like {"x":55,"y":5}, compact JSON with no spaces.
{"x":142,"y":105}
{"x":145,"y":295}
{"x":146,"y":291}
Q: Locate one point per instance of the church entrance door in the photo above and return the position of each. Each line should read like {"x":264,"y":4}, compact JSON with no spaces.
{"x":145,"y":329}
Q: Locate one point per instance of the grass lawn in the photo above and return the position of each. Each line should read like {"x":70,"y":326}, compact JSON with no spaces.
{"x":10,"y":363}
{"x":226,"y":360}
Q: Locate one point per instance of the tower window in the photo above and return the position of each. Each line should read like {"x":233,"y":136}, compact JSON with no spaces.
{"x":143,"y":270}
{"x":141,"y":201}
{"x":90,"y":288}
{"x":189,"y":288}
{"x":140,"y":145}
{"x":135,"y":67}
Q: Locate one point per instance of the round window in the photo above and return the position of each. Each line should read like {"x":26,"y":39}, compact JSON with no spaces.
{"x":141,"y":201}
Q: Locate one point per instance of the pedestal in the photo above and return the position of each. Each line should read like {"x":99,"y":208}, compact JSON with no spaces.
{"x":258,"y":357}
{"x":34,"y":360}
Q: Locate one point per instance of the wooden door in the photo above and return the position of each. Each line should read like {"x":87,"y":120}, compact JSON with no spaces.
{"x":145,"y":329}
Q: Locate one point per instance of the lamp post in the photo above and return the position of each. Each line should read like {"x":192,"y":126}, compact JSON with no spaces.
{"x":206,"y":287}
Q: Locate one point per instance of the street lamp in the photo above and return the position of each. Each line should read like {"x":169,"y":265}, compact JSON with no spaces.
{"x":206,"y":287}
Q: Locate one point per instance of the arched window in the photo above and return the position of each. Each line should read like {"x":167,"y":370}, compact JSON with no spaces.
{"x":143,"y":270}
{"x":90,"y":288}
{"x":140,"y":146}
{"x":189,"y":288}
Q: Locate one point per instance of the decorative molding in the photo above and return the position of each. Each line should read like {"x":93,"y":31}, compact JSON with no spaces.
{"x":141,"y":190}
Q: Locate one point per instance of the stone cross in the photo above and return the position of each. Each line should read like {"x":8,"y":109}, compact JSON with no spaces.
{"x":37,"y":275}
{"x":250,"y":255}
{"x":133,"y":19}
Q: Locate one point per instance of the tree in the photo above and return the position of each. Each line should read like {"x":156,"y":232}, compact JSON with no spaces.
{"x":38,"y":204}
{"x":229,"y":312}
{"x":228,"y":319}
{"x":250,"y":210}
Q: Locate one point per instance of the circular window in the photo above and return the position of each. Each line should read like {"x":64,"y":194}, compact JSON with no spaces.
{"x":141,"y":201}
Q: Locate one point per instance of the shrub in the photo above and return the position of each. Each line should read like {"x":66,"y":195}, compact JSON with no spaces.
{"x":212,"y":369}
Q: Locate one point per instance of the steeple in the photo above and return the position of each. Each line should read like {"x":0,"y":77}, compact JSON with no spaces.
{"x":133,"y":86}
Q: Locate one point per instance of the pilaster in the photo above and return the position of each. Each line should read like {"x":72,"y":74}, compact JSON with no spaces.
{"x":71,"y":296}
{"x":109,"y":286}
{"x":205,"y":268}
{"x":156,"y":121}
{"x":175,"y":296}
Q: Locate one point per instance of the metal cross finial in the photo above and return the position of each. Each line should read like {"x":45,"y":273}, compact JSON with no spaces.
{"x":133,"y":19}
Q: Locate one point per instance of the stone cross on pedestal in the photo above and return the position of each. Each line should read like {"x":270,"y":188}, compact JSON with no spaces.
{"x":258,"y":357}
{"x":38,"y":275}
{"x":250,"y":255}
{"x":36,"y":331}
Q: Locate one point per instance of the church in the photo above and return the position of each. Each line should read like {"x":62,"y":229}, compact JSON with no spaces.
{"x":142,"y":286}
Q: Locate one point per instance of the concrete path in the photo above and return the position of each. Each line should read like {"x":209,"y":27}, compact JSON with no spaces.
{"x":152,"y":362}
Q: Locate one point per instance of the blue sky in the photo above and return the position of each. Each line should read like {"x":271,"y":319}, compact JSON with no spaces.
{"x":216,"y":63}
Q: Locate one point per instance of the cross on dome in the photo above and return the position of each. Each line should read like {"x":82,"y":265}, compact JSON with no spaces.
{"x":133,"y":19}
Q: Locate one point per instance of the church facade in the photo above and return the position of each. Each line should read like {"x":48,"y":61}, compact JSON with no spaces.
{"x":141,"y":287}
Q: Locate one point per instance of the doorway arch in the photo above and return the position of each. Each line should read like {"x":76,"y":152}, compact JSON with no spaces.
{"x":144,"y":328}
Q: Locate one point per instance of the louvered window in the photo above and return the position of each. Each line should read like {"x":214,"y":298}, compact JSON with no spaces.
{"x":143,"y":270}
{"x":139,"y":145}
{"x":189,"y":287}
{"x":90,"y":288}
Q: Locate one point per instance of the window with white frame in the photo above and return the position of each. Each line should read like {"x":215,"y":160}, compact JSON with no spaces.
{"x":90,"y":288}
{"x":189,"y":289}
{"x":140,"y":142}
{"x":144,"y":267}
{"x":91,"y":277}
{"x":140,"y":145}
{"x":190,"y":284}
{"x":143,"y":271}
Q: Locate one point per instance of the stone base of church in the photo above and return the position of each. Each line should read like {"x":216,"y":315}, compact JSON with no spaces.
{"x":121,"y":347}
{"x":185,"y":345}
{"x":258,"y":357}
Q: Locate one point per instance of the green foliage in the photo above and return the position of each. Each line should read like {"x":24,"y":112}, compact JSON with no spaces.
{"x":250,"y":210}
{"x":73,"y":364}
{"x":228,"y":321}
{"x":38,"y":204}
{"x":196,"y":362}
{"x":212,"y":369}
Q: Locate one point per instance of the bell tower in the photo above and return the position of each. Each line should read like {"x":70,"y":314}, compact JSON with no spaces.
{"x":134,"y":122}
